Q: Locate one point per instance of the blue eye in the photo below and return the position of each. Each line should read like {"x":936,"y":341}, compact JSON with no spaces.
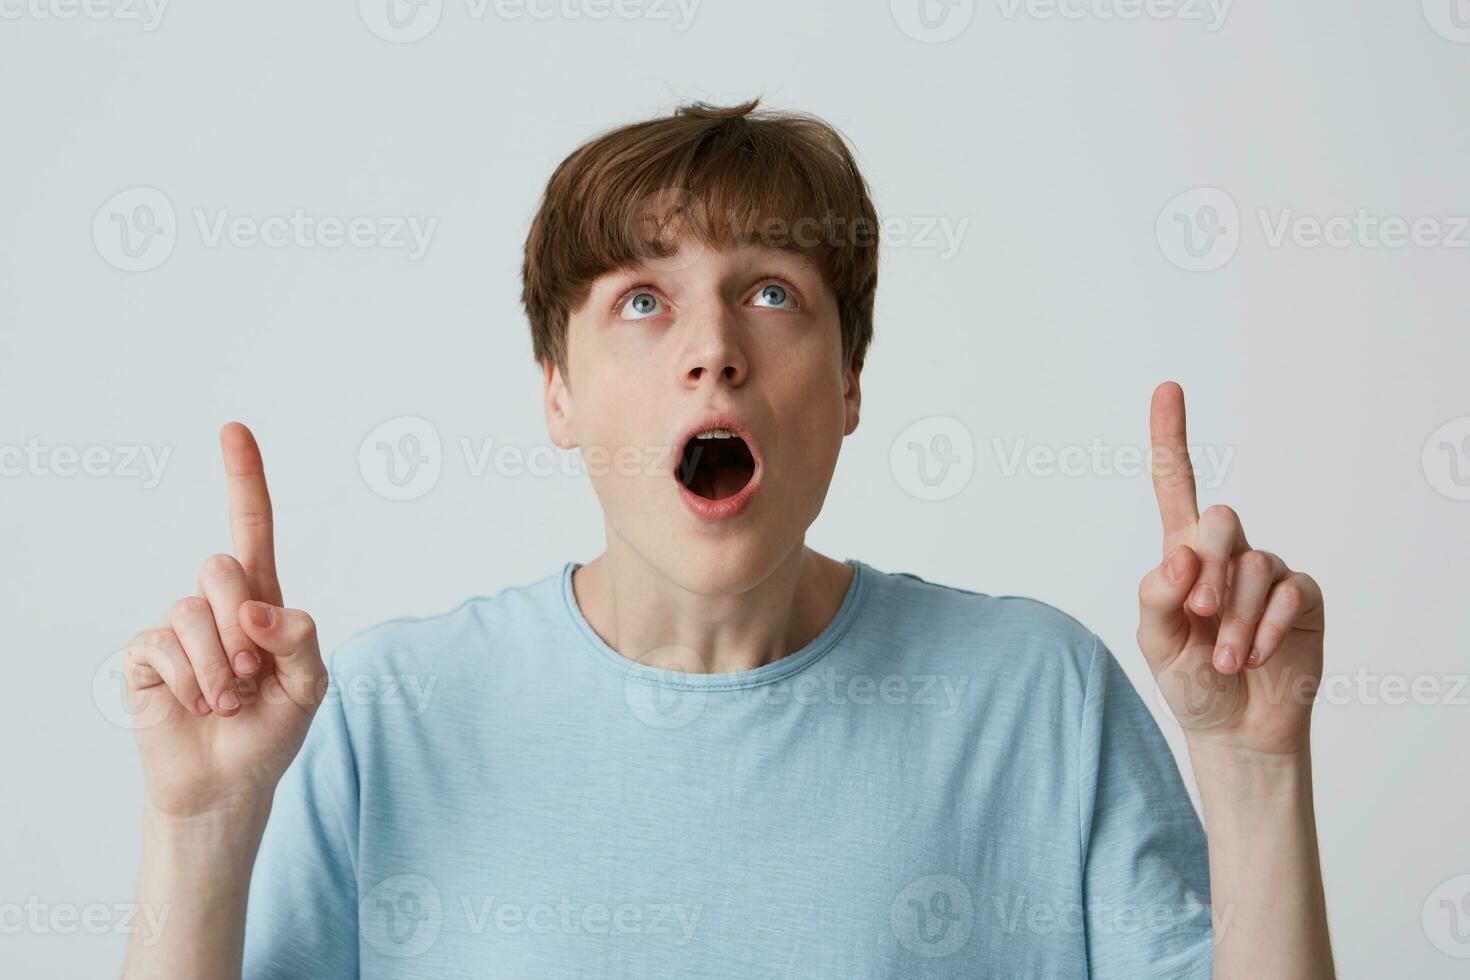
{"x":641,"y":305}
{"x":775,"y":295}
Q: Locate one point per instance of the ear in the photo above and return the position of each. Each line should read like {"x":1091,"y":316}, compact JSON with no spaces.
{"x":852,"y":394}
{"x":558,"y":404}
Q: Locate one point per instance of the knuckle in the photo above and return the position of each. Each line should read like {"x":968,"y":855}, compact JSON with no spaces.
{"x":181,"y":679}
{"x":190,"y":607}
{"x":1256,"y":563}
{"x":1221,"y":512}
{"x":1235,"y":624}
{"x":137,"y":668}
{"x":219,"y":566}
{"x":253,"y":517}
{"x":234,"y":641}
{"x":1290,"y":595}
{"x":1150,"y":591}
{"x":214,"y":675}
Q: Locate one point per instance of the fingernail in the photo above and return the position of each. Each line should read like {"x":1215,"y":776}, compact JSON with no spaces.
{"x":1171,"y":566}
{"x":1255,"y":656}
{"x":202,"y":705}
{"x":228,"y":701}
{"x":246,"y":661}
{"x":262,"y":615}
{"x":1225,"y":658}
{"x":1204,"y":595}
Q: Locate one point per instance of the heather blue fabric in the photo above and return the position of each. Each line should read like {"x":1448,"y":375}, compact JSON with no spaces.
{"x":941,"y":784}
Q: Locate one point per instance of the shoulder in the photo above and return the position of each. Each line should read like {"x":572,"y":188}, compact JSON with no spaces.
{"x":1010,"y":632}
{"x":469,"y":630}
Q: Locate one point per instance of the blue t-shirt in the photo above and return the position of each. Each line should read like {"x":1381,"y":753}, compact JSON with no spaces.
{"x":941,"y":784}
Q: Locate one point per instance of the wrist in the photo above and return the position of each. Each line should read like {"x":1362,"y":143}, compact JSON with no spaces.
{"x":194,"y":889}
{"x":224,"y":836}
{"x":1231,"y":777}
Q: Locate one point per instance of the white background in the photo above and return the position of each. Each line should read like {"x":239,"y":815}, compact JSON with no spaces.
{"x":1055,"y":142}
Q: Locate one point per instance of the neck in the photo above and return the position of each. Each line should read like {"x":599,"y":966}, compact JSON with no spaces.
{"x":738,"y":623}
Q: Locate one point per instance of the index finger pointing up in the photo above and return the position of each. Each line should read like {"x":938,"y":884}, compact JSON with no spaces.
{"x":1173,"y":472}
{"x":251,"y":525}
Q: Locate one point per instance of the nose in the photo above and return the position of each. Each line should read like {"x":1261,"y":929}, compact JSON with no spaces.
{"x":714,"y":350}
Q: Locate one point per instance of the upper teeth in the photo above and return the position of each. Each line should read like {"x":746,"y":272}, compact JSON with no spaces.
{"x":715,"y":434}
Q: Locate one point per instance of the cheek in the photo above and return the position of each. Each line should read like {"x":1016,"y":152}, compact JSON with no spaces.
{"x":812,"y":420}
{"x":621,"y":438}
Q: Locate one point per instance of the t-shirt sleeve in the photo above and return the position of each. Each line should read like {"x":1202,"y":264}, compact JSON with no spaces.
{"x":301,"y":918}
{"x":1146,"y":885}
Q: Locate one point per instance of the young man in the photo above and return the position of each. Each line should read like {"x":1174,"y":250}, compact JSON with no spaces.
{"x":709,"y":752}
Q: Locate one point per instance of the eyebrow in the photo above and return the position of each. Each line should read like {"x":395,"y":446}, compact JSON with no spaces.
{"x":616,"y":280}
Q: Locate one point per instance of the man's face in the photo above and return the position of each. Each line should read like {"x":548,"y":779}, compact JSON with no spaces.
{"x":661,"y":351}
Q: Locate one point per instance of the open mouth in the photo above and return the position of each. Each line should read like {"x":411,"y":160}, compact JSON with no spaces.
{"x":716,"y":464}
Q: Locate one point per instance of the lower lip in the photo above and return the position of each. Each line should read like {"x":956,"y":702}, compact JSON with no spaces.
{"x":723,"y":509}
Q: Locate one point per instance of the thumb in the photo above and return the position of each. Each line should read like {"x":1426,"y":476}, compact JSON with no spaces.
{"x":1163,"y":624}
{"x":289,"y":636}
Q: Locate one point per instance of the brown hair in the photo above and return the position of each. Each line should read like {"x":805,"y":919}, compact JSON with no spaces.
{"x":723,"y":174}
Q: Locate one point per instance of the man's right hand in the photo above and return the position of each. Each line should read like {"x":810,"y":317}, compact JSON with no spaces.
{"x":225,"y":687}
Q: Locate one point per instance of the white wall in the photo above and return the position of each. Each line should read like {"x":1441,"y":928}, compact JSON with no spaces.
{"x":1051,"y":145}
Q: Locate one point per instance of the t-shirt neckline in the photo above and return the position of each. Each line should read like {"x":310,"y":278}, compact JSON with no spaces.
{"x":788,"y":665}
